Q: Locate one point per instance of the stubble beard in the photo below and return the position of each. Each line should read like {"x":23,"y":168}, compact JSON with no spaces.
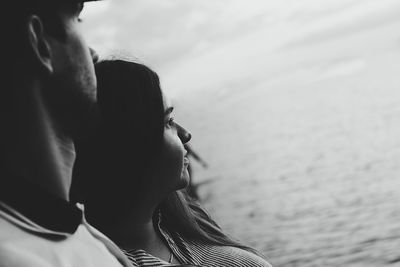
{"x":72,"y":104}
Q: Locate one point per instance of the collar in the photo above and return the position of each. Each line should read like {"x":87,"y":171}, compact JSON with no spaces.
{"x":43,"y":208}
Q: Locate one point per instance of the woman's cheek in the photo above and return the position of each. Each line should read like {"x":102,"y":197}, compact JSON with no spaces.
{"x":173,"y":153}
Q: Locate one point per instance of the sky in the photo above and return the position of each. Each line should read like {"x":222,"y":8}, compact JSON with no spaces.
{"x":200,"y":45}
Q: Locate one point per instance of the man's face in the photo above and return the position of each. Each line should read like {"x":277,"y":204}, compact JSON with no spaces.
{"x":71,"y":91}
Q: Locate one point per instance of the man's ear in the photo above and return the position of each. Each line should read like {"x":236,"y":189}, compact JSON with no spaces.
{"x":39,"y":44}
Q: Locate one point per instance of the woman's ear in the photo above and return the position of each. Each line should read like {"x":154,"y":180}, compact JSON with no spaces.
{"x":39,"y":44}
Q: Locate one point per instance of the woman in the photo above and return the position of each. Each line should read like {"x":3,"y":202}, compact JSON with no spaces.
{"x":130,"y":174}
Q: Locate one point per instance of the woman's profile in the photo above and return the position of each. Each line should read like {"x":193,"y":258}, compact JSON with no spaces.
{"x":132,"y":171}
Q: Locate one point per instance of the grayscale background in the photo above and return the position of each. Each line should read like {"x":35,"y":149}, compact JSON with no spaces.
{"x":295,"y":106}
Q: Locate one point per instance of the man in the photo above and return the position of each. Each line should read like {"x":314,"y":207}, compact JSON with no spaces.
{"x":47,"y":93}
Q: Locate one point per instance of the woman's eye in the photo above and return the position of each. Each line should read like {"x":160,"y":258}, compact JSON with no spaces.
{"x":80,"y":20}
{"x":171,"y":121}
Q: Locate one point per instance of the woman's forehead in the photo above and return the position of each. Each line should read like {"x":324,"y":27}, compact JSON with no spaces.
{"x":167,"y":102}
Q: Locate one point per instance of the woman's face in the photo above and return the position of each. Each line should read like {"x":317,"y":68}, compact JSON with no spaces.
{"x":172,"y":172}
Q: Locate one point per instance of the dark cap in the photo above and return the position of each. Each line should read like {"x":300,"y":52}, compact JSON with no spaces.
{"x":45,"y":2}
{"x":29,"y":4}
{"x":22,"y":3}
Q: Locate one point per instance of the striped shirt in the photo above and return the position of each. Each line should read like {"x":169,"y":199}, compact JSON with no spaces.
{"x":197,"y":253}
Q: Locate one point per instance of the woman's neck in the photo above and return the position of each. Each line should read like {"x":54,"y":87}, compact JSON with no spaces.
{"x":139,"y":232}
{"x":140,"y":235}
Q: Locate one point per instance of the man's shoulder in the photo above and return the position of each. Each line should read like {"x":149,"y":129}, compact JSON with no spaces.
{"x":12,"y":256}
{"x":21,"y":247}
{"x":8,"y":230}
{"x":13,"y":244}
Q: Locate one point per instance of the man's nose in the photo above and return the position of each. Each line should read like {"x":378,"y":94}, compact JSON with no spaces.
{"x":183,"y":134}
{"x":94,"y":55}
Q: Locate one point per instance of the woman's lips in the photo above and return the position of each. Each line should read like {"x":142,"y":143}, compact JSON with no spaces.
{"x":186,"y":160}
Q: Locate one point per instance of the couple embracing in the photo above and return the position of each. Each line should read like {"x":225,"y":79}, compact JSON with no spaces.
{"x":118,"y":130}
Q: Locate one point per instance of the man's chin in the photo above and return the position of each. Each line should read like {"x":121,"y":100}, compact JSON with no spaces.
{"x":74,"y":111}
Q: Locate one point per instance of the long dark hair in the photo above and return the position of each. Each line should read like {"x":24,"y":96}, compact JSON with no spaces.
{"x":116,"y":157}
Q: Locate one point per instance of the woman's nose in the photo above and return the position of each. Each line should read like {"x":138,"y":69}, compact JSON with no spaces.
{"x":183,"y":134}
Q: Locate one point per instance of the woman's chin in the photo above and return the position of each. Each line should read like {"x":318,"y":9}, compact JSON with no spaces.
{"x":185,"y":179}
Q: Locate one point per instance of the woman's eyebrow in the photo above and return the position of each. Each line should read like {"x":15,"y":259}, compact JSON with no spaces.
{"x":169,"y":110}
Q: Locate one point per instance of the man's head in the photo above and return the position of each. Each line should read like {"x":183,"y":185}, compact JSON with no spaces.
{"x":44,"y":45}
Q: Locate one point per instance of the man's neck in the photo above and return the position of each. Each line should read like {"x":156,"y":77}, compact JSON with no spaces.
{"x":33,"y":148}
